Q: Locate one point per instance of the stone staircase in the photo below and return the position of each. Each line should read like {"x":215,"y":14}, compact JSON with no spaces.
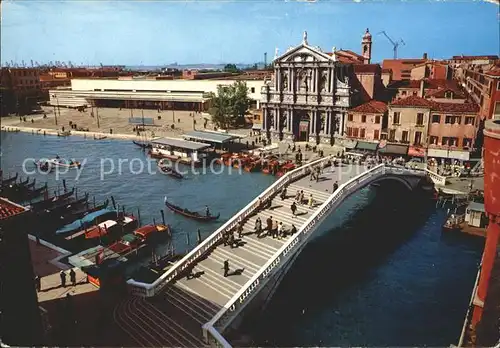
{"x":195,"y":300}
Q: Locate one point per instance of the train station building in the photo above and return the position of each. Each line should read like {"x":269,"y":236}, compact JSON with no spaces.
{"x":147,"y":93}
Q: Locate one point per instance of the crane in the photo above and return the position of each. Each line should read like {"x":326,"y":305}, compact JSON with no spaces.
{"x":394,"y":44}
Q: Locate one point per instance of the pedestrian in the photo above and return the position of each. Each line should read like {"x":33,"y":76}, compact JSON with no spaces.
{"x":293,"y":207}
{"x":335,"y":186}
{"x":311,"y":200}
{"x":207,"y":211}
{"x":297,"y":196}
{"x":63,"y":278}
{"x":225,"y":238}
{"x":275,"y":229}
{"x":226,"y":268}
{"x":293,"y":230}
{"x":240,"y":229}
{"x":38,"y":283}
{"x":283,"y":194}
{"x":258,"y":226}
{"x":231,"y":239}
{"x":269,"y":224}
{"x":281,"y":230}
{"x":301,"y":199}
{"x":72,"y":276}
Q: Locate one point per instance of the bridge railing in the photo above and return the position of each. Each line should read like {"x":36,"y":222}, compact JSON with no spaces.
{"x":150,"y":289}
{"x":220,"y":321}
{"x":436,"y":178}
{"x":212,"y":330}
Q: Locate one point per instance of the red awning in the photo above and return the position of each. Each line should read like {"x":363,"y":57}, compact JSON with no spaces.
{"x":416,"y":151}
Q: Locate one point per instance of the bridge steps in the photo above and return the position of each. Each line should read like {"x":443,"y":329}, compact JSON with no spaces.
{"x":196,"y":300}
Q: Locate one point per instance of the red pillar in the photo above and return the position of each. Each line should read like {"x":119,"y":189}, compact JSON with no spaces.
{"x":491,"y":158}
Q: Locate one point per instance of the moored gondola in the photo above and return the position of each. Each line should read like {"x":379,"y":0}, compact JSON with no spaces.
{"x":142,"y":145}
{"x":190,"y":214}
{"x":8,"y":181}
{"x":50,"y":201}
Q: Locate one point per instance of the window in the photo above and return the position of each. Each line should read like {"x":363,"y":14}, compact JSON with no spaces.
{"x":403,"y":93}
{"x":404,"y":137}
{"x":377,"y":119}
{"x":252,"y":90}
{"x":420,"y":119}
{"x":376,"y":134}
{"x":433,"y":140}
{"x":452,"y":120}
{"x":469,"y":120}
{"x":337,"y":98}
{"x":362,"y":133}
{"x":350,"y":117}
{"x":498,"y":86}
{"x":418,"y":138}
{"x":450,"y":141}
{"x":448,"y":95}
{"x":436,"y":118}
{"x":355,"y":132}
{"x":415,"y":93}
{"x":397,"y":118}
{"x":349,"y":131}
{"x":467,"y":143}
{"x":363,"y":118}
{"x":496,"y":115}
{"x":392,"y":135}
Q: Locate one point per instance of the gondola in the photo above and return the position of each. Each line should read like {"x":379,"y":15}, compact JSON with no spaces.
{"x":190,"y":214}
{"x":50,"y":201}
{"x":30,"y":185}
{"x":33,"y":193}
{"x":142,"y":145}
{"x":170,"y":171}
{"x":9,"y":181}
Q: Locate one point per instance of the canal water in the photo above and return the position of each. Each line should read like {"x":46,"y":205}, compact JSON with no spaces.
{"x":378,"y":273}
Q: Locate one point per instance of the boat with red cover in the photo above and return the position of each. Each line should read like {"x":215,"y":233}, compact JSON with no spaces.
{"x":190,"y":214}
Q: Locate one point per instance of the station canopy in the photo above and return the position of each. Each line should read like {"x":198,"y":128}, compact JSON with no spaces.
{"x":394,"y":149}
{"x":179,"y":143}
{"x":147,"y":121}
{"x":366,"y":146}
{"x":210,"y":137}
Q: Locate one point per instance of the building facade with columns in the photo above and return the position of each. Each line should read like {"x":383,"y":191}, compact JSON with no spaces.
{"x":308,"y":97}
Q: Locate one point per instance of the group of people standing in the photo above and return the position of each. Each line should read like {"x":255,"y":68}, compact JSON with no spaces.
{"x":62,"y":275}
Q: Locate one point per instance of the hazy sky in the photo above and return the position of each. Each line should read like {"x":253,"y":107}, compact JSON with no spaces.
{"x":163,"y":32}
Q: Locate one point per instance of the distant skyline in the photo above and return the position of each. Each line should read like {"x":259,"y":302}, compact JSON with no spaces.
{"x":194,"y":32}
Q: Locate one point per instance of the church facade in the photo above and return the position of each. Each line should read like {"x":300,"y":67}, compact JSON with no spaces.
{"x":309,"y":95}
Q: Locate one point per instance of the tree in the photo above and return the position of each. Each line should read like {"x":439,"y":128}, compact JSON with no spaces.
{"x":231,"y":68}
{"x":229,"y":106}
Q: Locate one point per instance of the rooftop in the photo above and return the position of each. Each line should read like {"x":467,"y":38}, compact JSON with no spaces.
{"x":367,"y":68}
{"x":218,"y":138}
{"x":9,"y":209}
{"x":413,"y":101}
{"x":184,"y":144}
{"x":373,"y":106}
{"x":441,"y":93}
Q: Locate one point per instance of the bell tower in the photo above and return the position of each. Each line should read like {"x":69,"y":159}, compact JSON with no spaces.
{"x":366,"y":46}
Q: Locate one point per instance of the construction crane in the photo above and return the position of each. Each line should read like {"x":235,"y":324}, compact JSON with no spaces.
{"x":395,"y":45}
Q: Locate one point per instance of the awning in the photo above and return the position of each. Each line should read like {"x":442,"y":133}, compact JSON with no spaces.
{"x":366,"y":146}
{"x":394,"y":149}
{"x":416,"y":151}
{"x":210,"y":137}
{"x":475,"y":206}
{"x":257,"y":126}
{"x":453,"y":154}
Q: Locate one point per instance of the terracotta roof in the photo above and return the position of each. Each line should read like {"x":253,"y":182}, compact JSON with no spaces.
{"x":8,"y":209}
{"x":495,"y":71}
{"x":456,"y":107}
{"x":431,"y":62}
{"x":371,"y":107}
{"x":366,"y":68}
{"x":413,"y":101}
{"x":428,"y":84}
{"x":441,"y":93}
{"x":475,"y":57}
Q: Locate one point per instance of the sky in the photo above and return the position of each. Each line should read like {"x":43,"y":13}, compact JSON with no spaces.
{"x":240,"y":31}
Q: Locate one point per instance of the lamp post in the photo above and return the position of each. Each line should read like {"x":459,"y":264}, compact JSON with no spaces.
{"x":55,"y":112}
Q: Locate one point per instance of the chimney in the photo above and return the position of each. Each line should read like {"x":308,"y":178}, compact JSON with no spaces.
{"x":422,"y":87}
{"x":425,"y":55}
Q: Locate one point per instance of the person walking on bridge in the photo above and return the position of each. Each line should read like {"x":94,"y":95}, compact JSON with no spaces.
{"x":335,"y":186}
{"x":226,"y":268}
{"x":258,"y":226}
{"x":293,"y":208}
{"x":269,"y":223}
{"x":275,"y":229}
{"x":62,"y":274}
{"x":311,"y":200}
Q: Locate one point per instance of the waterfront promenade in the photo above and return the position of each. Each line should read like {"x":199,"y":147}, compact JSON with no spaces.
{"x":176,"y":315}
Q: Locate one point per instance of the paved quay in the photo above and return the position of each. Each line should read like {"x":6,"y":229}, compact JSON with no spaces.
{"x":175,"y":316}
